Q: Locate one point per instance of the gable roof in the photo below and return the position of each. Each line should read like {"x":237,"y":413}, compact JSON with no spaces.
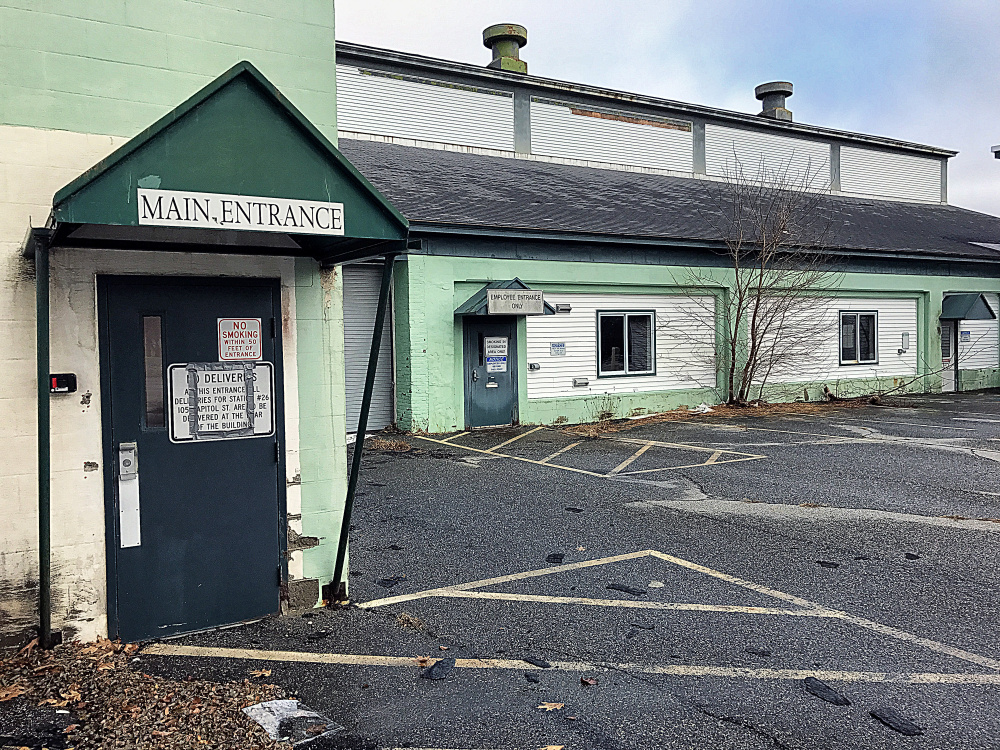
{"x":240,"y":136}
{"x":436,"y":188}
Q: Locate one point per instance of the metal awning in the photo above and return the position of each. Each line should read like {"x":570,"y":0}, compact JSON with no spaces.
{"x":966,"y":307}
{"x":477,"y":303}
{"x":237,"y":137}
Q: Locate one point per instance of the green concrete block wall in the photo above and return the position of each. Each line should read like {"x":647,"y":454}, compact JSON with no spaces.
{"x":113,"y":67}
{"x":429,"y":367}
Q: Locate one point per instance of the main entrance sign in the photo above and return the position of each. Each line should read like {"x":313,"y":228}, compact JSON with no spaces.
{"x":180,"y":208}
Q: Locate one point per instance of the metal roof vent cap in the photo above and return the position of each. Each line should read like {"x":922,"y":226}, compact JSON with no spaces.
{"x":506,"y":39}
{"x":773,"y":96}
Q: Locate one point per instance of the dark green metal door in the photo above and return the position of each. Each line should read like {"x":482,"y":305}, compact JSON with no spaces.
{"x":194,"y":503}
{"x":490,"y":371}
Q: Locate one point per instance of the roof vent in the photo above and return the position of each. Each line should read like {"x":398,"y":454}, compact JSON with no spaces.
{"x":505,"y":39}
{"x":773,"y":97}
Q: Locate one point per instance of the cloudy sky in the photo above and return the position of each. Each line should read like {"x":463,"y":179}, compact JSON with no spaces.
{"x":919,"y":70}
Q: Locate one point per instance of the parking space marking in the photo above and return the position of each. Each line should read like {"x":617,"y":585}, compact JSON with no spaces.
{"x":716,"y":456}
{"x":560,"y":452}
{"x":975,"y":419}
{"x":515,"y":438}
{"x":505,"y":579}
{"x":667,"y":670}
{"x":506,"y":455}
{"x":819,"y":610}
{"x":628,"y":461}
{"x":635,"y":604}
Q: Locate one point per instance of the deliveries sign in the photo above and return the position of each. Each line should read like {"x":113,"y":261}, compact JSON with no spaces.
{"x":239,"y":339}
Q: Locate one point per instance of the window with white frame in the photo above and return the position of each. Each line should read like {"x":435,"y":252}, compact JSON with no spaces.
{"x":858,"y":338}
{"x":625,"y":343}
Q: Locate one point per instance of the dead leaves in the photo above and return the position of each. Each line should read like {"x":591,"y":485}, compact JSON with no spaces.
{"x":552,"y":747}
{"x":259,"y":672}
{"x":552,"y":706}
{"x":11,"y":692}
{"x":591,"y":681}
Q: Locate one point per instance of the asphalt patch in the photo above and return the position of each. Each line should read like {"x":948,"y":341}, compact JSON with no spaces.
{"x":891,"y":718}
{"x":824,"y":692}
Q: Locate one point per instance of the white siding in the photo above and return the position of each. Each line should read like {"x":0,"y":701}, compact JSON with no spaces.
{"x":983,"y":348}
{"x":362,"y":284}
{"x":883,"y":174}
{"x":800,"y":162}
{"x":404,"y":107}
{"x":685,"y":351}
{"x":821,"y":361}
{"x":570,"y":131}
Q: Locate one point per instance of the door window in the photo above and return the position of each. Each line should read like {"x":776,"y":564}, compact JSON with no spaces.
{"x":625,"y":343}
{"x":858,"y":338}
{"x":152,"y":347}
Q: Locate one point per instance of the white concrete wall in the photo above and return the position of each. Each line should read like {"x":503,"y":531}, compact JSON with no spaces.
{"x":35,"y":164}
{"x":685,"y":345}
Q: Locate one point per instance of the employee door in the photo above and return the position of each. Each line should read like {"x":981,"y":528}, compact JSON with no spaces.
{"x":191,"y":394}
{"x":490,"y":371}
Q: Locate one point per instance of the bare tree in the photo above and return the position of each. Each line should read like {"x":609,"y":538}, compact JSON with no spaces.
{"x":774,"y":225}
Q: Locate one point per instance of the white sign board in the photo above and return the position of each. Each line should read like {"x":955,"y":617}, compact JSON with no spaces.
{"x":557,"y":349}
{"x":182,"y":208}
{"x":965,"y":337}
{"x":496,"y":353}
{"x":239,"y":339}
{"x":514,"y":302}
{"x":209,"y":400}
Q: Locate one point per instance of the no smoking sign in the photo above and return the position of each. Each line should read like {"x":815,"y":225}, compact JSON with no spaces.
{"x":239,"y":339}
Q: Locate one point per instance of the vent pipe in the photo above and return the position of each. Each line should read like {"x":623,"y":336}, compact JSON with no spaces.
{"x":506,"y":39}
{"x":773,"y":96}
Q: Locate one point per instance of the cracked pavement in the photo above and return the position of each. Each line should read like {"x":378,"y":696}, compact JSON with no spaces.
{"x":895,"y":502}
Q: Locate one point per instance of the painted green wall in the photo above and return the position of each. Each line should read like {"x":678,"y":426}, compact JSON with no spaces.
{"x":113,"y":67}
{"x":429,"y":366}
{"x":319,"y":330}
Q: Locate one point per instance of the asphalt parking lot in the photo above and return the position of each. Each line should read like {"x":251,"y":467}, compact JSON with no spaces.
{"x":696,"y":570}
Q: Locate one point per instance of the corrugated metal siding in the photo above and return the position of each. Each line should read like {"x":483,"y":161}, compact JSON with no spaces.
{"x":821,"y":363}
{"x":361,"y":288}
{"x":879,"y":173}
{"x":404,"y":107}
{"x":802,"y":162}
{"x":983,"y":348}
{"x":685,"y":350}
{"x":570,"y":131}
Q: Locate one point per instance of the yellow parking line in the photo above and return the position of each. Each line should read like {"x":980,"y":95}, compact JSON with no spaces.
{"x":505,"y":579}
{"x":560,"y":452}
{"x":713,"y":458}
{"x":508,"y":442}
{"x":630,"y":459}
{"x":691,"y":466}
{"x":635,"y":604}
{"x":506,"y":455}
{"x":453,"y":437}
{"x":669,"y":670}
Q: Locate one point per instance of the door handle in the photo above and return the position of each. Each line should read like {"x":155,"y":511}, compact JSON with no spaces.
{"x":128,"y":495}
{"x":475,"y":376}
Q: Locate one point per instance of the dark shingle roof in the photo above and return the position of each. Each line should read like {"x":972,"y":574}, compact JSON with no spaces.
{"x":432,"y":186}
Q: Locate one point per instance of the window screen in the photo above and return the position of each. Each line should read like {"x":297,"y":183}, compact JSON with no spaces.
{"x":612,"y":343}
{"x":866,"y":338}
{"x":625,"y":343}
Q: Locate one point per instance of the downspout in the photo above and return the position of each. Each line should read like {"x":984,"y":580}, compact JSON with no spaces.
{"x":338,"y":585}
{"x":44,"y":447}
